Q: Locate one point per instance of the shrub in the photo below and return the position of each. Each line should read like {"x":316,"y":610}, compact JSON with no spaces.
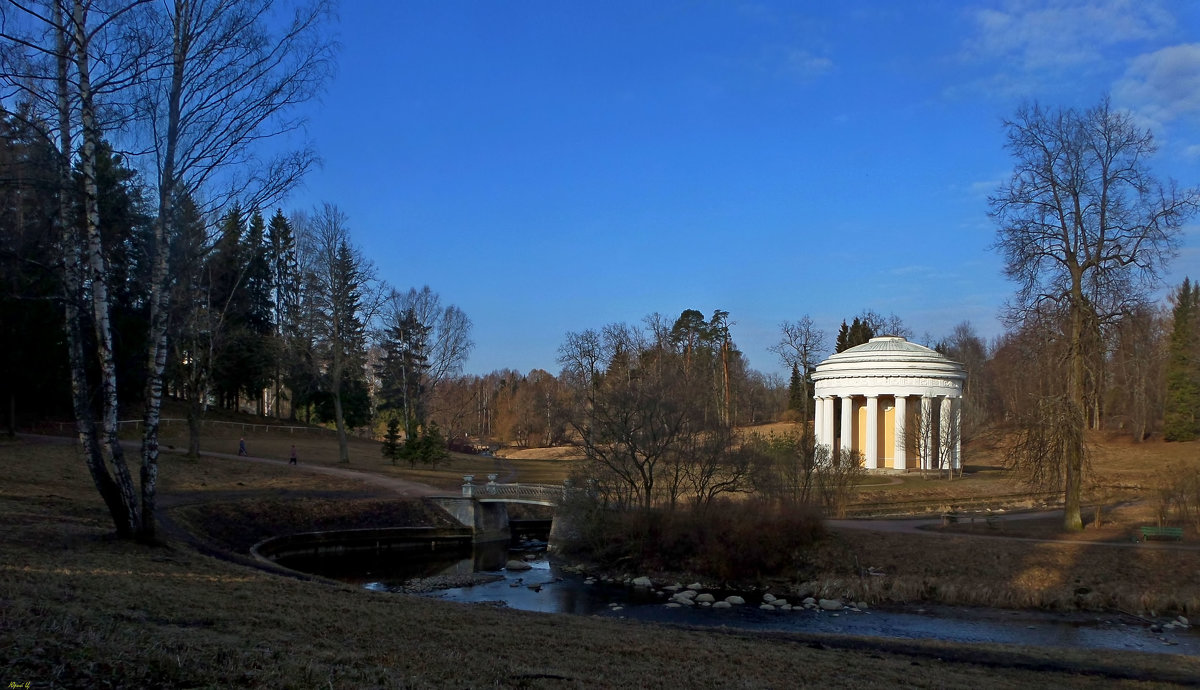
{"x":728,"y":541}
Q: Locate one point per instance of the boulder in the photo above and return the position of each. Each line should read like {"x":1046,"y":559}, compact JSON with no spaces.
{"x":734,"y":600}
{"x":706,"y":598}
{"x":809,"y":600}
{"x":695,"y":586}
{"x":674,"y":604}
{"x":1183,"y":620}
{"x":766,"y":607}
{"x":768,"y":597}
{"x":722,"y":605}
{"x":830,"y":605}
{"x":686,"y":594}
{"x":673,"y":588}
{"x":517,"y":565}
{"x":642,"y":582}
{"x":861,"y":606}
{"x":780,"y":603}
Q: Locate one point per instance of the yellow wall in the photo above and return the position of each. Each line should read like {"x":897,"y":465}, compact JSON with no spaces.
{"x":887,"y":431}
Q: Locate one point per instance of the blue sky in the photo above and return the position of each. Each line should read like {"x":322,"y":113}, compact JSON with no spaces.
{"x":556,"y":166}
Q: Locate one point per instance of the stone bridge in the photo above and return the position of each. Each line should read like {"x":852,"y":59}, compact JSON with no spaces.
{"x":481,"y":507}
{"x":535,"y":494}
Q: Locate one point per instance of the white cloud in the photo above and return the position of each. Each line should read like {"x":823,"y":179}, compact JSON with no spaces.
{"x":1036,"y":36}
{"x":1164,"y":85}
{"x":1066,"y":31}
{"x":806,"y":65}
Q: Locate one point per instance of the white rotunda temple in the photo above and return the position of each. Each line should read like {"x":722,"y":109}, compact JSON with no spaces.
{"x":896,"y":402}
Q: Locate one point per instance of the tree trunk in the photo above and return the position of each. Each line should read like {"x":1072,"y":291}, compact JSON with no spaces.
{"x":194,"y":418}
{"x":1073,"y":462}
{"x":115,"y":487}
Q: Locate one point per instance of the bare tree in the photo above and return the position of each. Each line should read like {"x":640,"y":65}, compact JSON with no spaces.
{"x":1084,"y":227}
{"x":71,"y":61}
{"x":223,"y":81}
{"x":343,"y":300}
{"x":207,"y":80}
{"x":801,"y":346}
{"x":444,"y":347}
{"x":936,"y":437}
{"x":1138,"y":366}
{"x":967,"y":348}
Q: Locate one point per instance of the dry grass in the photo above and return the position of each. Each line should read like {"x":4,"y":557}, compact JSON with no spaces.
{"x":79,"y":609}
{"x":1007,"y":573}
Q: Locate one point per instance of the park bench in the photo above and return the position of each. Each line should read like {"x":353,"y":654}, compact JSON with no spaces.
{"x":1173,"y":533}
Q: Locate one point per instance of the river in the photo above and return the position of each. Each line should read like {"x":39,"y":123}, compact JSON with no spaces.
{"x":548,"y":587}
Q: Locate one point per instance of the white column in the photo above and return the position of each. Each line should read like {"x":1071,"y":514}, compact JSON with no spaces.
{"x":872,"y":459}
{"x":901,"y":457}
{"x":818,"y":408}
{"x":945,"y":434}
{"x":958,"y":433}
{"x":827,"y":422}
{"x":926,"y":432}
{"x":847,"y":423}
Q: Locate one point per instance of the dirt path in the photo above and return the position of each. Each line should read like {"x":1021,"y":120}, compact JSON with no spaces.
{"x":402,"y":487}
{"x":926,"y":525}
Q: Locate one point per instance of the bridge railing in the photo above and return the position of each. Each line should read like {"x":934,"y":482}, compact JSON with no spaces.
{"x":540,"y":493}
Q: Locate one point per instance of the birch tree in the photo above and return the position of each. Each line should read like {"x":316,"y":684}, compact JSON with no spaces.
{"x":194,"y":84}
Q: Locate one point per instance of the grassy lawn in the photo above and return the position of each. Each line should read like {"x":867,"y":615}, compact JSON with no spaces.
{"x":80,"y":609}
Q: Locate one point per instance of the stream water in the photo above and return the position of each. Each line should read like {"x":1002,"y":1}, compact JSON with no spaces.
{"x":547,"y":587}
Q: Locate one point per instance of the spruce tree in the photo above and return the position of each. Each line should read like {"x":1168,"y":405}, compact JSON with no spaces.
{"x":796,"y":390}
{"x":1181,"y":421}
{"x":391,"y":440}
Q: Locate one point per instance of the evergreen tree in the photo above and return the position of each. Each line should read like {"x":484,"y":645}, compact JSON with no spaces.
{"x":227,"y":298}
{"x":391,"y":440}
{"x":858,"y":332}
{"x":286,"y":284}
{"x":1182,"y":414}
{"x":255,"y":342}
{"x":34,"y":379}
{"x":796,"y":391}
{"x":402,"y":371}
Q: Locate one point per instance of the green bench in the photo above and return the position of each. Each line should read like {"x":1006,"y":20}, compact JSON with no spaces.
{"x":1173,"y":533}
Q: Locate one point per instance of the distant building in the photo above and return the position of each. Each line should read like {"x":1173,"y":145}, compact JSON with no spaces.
{"x":896,"y":402}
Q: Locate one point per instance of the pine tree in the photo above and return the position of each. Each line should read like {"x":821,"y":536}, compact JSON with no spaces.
{"x":1181,"y":421}
{"x":402,"y":370}
{"x":391,"y":440}
{"x":227,"y":298}
{"x":796,"y":390}
{"x":858,"y":332}
{"x":286,"y":284}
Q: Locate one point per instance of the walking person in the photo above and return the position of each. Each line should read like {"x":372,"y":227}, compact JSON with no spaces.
{"x":292,"y":461}
{"x":242,"y":446}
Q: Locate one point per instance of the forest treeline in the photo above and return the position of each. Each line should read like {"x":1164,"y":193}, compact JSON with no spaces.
{"x":144,"y":258}
{"x":281,"y":316}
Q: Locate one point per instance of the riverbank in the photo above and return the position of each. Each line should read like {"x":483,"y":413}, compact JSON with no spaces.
{"x":80,"y":609}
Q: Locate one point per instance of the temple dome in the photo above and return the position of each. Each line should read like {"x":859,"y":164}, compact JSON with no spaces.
{"x":889,"y":357}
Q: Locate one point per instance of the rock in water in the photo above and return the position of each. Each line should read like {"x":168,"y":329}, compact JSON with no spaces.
{"x":517,"y":565}
{"x":830,"y":605}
